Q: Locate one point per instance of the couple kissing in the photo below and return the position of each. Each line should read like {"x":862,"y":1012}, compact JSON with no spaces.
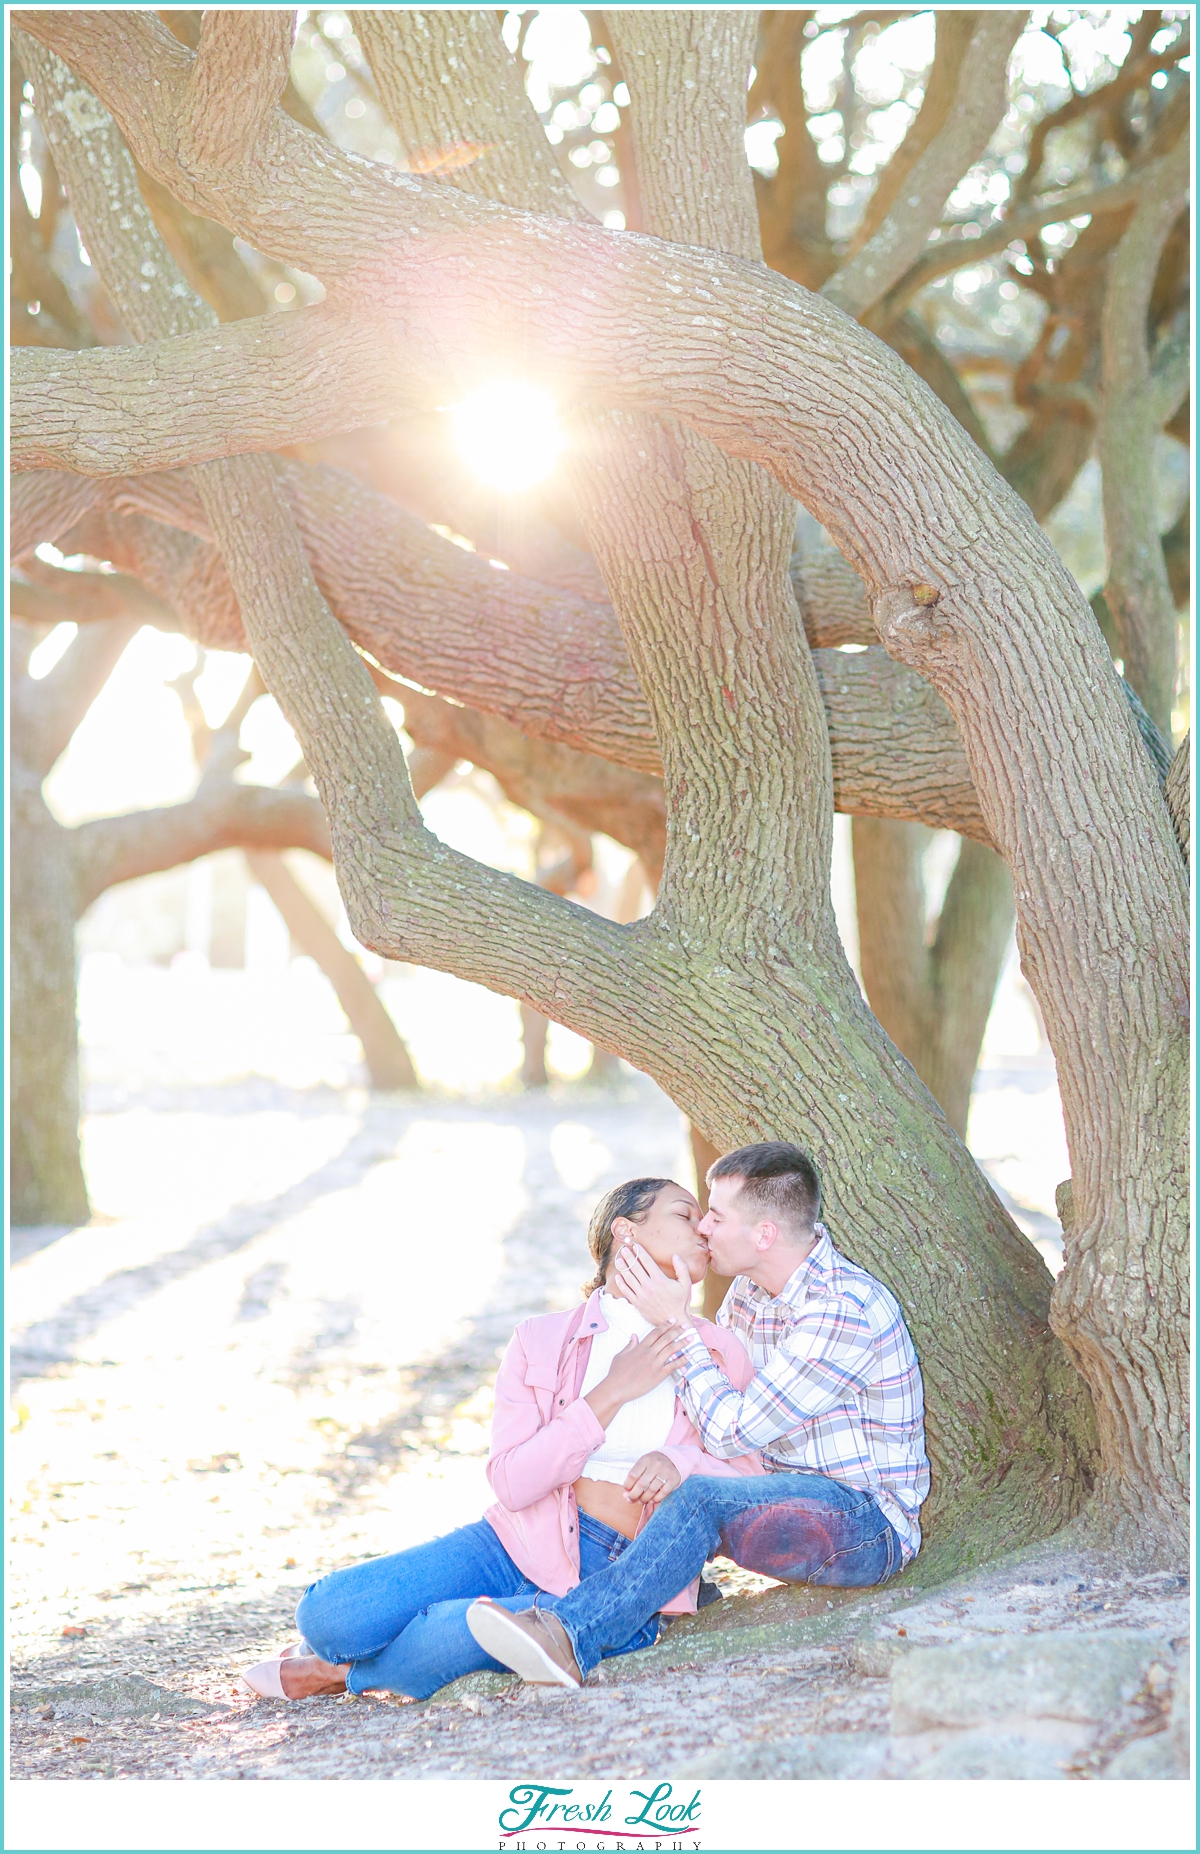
{"x":632,"y":1441}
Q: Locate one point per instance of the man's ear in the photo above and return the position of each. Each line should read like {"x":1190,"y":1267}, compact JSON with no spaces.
{"x":766,"y":1236}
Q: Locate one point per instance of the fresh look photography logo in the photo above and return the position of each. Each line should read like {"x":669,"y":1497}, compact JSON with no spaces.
{"x":561,"y":1816}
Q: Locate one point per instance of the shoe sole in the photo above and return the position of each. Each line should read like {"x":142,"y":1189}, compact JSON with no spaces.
{"x":499,"y":1636}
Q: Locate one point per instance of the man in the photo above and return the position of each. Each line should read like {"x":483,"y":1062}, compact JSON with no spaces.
{"x":835,"y":1407}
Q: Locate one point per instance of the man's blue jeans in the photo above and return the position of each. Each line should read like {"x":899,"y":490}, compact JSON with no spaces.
{"x":801,"y":1528}
{"x":401,"y":1620}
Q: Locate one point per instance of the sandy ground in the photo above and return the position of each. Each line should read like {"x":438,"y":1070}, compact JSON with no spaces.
{"x":255,"y":1365}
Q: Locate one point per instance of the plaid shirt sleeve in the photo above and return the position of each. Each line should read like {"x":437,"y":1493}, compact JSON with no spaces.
{"x":819,"y":1364}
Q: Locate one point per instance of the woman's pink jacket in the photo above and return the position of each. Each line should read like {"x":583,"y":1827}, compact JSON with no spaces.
{"x":543,"y":1433}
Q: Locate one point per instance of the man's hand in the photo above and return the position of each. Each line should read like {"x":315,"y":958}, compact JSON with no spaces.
{"x":656,"y":1296}
{"x":651,"y":1479}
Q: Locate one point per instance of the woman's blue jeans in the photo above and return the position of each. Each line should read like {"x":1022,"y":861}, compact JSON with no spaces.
{"x":401,"y":1620}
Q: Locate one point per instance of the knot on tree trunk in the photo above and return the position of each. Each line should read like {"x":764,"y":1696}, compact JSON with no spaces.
{"x":911,"y":622}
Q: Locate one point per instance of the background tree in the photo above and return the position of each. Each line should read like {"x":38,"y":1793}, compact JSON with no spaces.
{"x":59,"y":871}
{"x":705,"y":393}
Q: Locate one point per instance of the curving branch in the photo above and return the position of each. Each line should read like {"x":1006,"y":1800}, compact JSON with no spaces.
{"x":253,"y":385}
{"x":913,"y":203}
{"x":553,"y":782}
{"x":236,"y":81}
{"x":1178,"y":794}
{"x":516,"y":937}
{"x":46,"y":712}
{"x":221,"y":816}
{"x":1137,"y":398}
{"x":958,"y":248}
{"x":551,"y":665}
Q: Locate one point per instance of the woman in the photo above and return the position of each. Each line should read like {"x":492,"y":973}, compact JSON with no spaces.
{"x":587,"y":1439}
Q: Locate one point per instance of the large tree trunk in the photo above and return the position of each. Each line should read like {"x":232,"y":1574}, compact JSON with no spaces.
{"x":932,"y":995}
{"x":46,"y":1167}
{"x":704,"y":1155}
{"x":388,"y":1062}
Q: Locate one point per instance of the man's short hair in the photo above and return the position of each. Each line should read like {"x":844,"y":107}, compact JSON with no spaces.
{"x":778,"y":1180}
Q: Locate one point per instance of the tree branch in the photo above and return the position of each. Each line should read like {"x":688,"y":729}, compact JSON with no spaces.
{"x":1134,"y":405}
{"x":953,"y":35}
{"x":236,"y":81}
{"x":388,"y":1062}
{"x":53,"y":595}
{"x":410,"y":53}
{"x":1139,"y":66}
{"x":791,"y":205}
{"x":221,"y":816}
{"x":979,"y":105}
{"x":46,"y":713}
{"x":952,"y":253}
{"x":254,"y":385}
{"x":545,"y":778}
{"x":1178,"y":794}
{"x":517,"y":938}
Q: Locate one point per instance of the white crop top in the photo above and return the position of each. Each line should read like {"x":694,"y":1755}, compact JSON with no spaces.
{"x":639,"y":1426}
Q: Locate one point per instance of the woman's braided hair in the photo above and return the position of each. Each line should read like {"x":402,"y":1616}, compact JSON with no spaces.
{"x":633,"y":1199}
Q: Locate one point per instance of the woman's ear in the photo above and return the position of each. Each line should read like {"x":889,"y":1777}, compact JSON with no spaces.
{"x":622,"y":1229}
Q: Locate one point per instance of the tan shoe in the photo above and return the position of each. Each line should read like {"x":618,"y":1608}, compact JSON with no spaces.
{"x":533,"y":1643}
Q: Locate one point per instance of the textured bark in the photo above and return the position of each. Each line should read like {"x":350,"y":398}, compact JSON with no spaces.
{"x":237,"y":78}
{"x":704,"y":1155}
{"x":46,"y":1170}
{"x":1178,"y":795}
{"x":388,"y":1062}
{"x":553,"y":782}
{"x":963,"y":588}
{"x":1138,"y":398}
{"x":931,"y":992}
{"x":550,"y":663}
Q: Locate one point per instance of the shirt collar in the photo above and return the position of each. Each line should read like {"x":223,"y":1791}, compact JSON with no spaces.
{"x":818,"y":1262}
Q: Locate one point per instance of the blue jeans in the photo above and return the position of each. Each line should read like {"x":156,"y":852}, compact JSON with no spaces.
{"x":401,"y":1620}
{"x":801,"y":1528}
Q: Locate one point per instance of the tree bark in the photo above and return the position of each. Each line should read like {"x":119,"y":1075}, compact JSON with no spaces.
{"x":47,"y":1181}
{"x":552,"y":664}
{"x":1178,"y":795}
{"x":933,"y":994}
{"x":705,"y":1155}
{"x":1138,"y":398}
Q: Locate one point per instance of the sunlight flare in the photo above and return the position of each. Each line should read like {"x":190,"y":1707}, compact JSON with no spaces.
{"x":509,"y":434}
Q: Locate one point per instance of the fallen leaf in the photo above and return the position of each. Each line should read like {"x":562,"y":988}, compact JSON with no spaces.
{"x":73,"y":1628}
{"x":79,"y":1741}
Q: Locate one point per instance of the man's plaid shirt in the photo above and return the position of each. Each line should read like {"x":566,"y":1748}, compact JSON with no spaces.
{"x":838,"y":1388}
